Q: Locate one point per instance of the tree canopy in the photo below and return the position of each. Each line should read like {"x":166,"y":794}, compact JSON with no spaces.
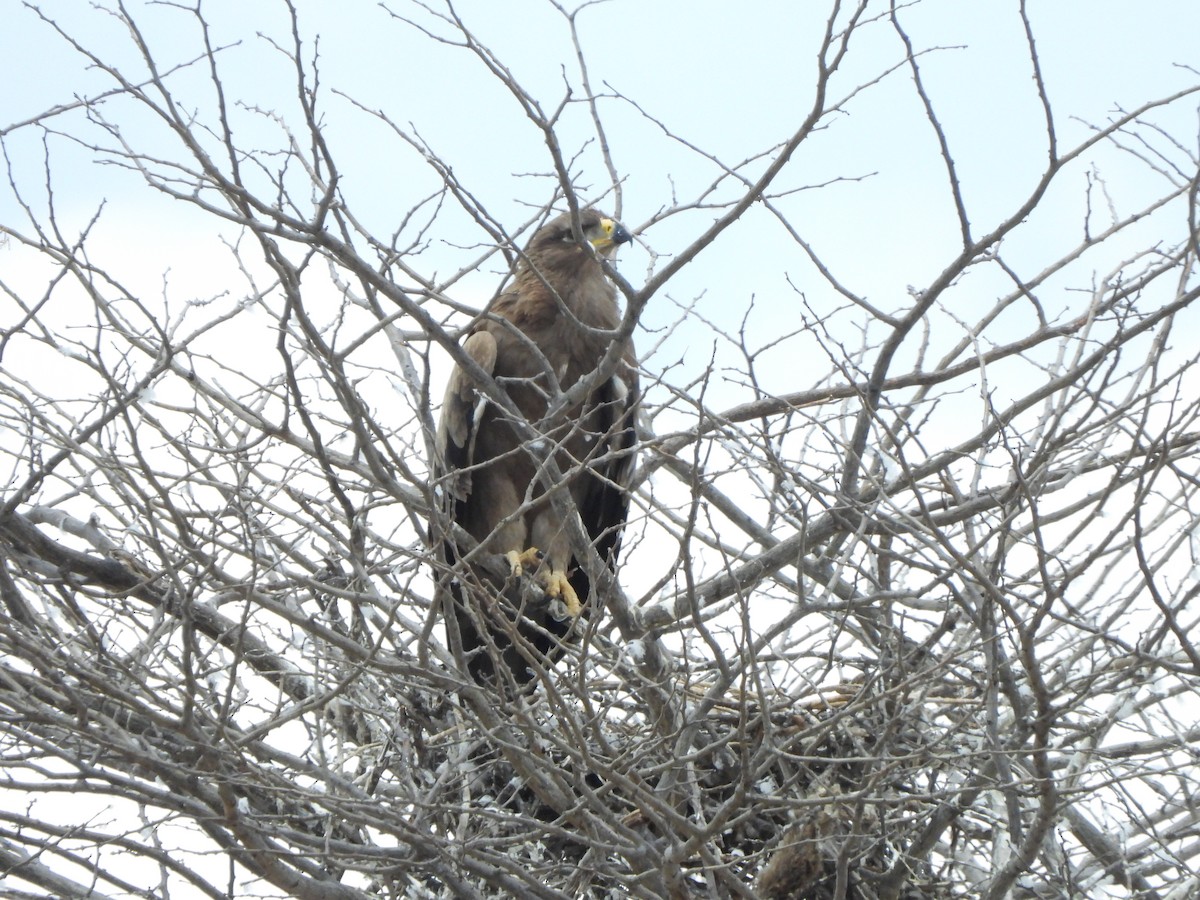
{"x":908,"y":588}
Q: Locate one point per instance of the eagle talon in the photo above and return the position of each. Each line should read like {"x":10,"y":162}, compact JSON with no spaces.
{"x":519,"y":559}
{"x":558,"y":587}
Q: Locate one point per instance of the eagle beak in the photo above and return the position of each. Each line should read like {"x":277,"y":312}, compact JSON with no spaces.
{"x":612,"y":233}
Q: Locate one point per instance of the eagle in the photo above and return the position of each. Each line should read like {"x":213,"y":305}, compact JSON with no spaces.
{"x":549,"y":329}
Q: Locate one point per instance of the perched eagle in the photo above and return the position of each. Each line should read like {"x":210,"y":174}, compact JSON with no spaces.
{"x":550,"y":328}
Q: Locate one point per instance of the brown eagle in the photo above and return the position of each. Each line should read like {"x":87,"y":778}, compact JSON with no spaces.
{"x":549,"y":329}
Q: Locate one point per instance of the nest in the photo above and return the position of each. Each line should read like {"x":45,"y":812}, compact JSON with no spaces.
{"x":822,"y":791}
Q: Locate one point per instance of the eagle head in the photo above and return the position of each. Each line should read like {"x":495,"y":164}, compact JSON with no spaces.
{"x":604,"y":233}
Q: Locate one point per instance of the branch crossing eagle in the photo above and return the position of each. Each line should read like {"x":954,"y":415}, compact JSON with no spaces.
{"x":551,"y":328}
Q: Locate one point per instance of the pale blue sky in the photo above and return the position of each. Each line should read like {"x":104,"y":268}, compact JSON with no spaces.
{"x":733,"y":79}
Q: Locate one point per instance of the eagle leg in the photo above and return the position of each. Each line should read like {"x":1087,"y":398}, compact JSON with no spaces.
{"x":518,"y":560}
{"x":556,"y":585}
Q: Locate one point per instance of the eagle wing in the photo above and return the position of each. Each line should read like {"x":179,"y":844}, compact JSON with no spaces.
{"x":460,"y":412}
{"x":602,"y":492}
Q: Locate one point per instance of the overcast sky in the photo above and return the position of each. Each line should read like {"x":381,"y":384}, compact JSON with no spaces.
{"x":732,"y":80}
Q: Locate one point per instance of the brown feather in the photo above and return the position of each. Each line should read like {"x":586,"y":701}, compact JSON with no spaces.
{"x":546,"y":328}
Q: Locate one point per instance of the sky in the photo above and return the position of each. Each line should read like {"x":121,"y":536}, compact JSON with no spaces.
{"x":686,"y":89}
{"x":731,"y":79}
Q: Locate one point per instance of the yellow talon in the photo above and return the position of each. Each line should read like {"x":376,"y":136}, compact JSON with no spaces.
{"x":557,"y":586}
{"x":518,"y":560}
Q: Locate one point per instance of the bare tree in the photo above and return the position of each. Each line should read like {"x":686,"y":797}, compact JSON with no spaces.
{"x":912,"y":619}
